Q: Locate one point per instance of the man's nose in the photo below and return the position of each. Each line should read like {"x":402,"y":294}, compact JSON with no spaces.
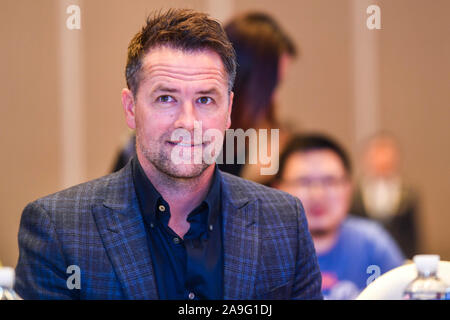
{"x":186,"y":117}
{"x":316,"y":191}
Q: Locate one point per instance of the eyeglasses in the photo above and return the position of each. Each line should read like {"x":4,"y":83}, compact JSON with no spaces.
{"x":327,"y":183}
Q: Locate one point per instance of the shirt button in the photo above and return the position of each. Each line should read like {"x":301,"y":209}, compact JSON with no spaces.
{"x":211,"y":227}
{"x":162,"y":208}
{"x":152,"y":225}
{"x":191,"y":296}
{"x":176,"y":240}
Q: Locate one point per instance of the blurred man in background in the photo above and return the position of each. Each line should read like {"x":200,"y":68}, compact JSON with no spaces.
{"x":383,"y":194}
{"x":317,"y":170}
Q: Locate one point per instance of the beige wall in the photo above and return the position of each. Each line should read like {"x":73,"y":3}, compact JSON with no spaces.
{"x":415,"y":104}
{"x":29,"y":113}
{"x":409,"y":82}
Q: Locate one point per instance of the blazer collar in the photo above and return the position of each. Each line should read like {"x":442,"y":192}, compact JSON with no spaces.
{"x":240,"y":239}
{"x":122,"y":230}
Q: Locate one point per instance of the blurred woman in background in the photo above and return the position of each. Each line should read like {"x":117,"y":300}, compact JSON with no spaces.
{"x":263,"y":52}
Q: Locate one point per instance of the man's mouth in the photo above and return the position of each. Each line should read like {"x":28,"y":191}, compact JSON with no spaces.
{"x":317,"y":211}
{"x":181,"y":144}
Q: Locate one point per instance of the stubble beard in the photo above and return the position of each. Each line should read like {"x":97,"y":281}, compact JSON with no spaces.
{"x":159,"y":155}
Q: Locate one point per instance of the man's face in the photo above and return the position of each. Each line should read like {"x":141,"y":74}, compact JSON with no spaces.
{"x":177,"y":90}
{"x":382,"y":158}
{"x":319,"y":179}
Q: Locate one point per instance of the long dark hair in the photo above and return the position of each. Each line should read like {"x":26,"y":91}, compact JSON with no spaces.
{"x":259,"y":43}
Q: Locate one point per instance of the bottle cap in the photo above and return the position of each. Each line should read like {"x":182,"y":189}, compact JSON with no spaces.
{"x":7,"y":277}
{"x":427,"y":263}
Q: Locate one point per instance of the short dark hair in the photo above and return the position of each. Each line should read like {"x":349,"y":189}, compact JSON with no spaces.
{"x":312,"y":142}
{"x":182,"y":29}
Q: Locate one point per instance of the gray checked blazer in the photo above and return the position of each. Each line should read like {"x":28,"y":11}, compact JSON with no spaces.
{"x":97,"y":227}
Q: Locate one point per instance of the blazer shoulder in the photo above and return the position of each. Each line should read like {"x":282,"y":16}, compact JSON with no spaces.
{"x":239,"y":188}
{"x":88,"y":193}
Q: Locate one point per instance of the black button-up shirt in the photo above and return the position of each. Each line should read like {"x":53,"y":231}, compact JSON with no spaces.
{"x":189,"y":267}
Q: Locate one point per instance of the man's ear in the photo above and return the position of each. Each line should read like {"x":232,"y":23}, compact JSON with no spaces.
{"x":351,"y":186}
{"x":230,"y":108}
{"x":129,"y":108}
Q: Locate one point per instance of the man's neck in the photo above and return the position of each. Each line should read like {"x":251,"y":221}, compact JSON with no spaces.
{"x":324,"y":242}
{"x":182,"y":194}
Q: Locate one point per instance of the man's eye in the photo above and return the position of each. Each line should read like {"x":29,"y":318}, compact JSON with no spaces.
{"x":306,"y":182}
{"x":165,"y":99}
{"x":205,"y":100}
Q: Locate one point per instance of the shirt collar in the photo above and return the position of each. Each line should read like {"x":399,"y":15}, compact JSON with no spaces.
{"x":149,"y":198}
{"x":213,"y":199}
{"x":147,"y":194}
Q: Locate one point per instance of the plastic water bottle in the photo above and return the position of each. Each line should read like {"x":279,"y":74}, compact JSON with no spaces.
{"x":7,"y":276}
{"x":427,"y":286}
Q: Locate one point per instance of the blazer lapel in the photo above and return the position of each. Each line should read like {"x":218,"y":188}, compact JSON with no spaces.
{"x":122,"y":230}
{"x":240,"y":242}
